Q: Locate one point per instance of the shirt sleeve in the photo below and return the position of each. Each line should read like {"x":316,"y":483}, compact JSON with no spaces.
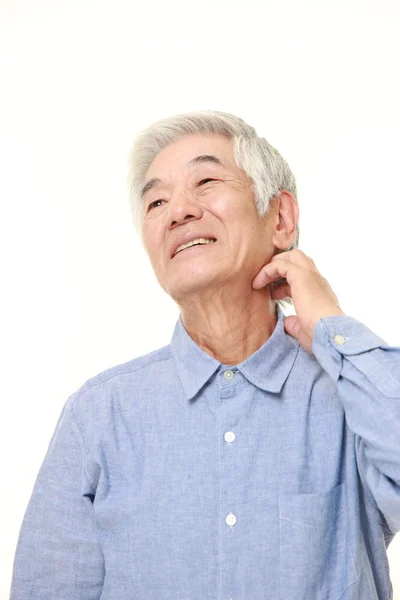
{"x":58,"y":553}
{"x":367,"y":373}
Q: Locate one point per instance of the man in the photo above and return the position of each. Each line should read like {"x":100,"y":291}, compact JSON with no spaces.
{"x":255,"y":456}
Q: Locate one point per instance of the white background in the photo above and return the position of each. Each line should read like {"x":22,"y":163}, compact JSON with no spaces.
{"x":319,"y":80}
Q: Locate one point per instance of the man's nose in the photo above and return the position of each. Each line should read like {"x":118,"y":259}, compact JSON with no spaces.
{"x":183,"y":206}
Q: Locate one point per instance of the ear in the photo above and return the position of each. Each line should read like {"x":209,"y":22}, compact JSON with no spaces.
{"x":287,"y":215}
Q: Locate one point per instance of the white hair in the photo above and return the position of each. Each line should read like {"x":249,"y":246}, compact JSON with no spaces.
{"x":268,"y":172}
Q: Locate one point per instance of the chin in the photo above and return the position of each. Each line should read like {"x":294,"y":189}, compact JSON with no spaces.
{"x":186,"y":287}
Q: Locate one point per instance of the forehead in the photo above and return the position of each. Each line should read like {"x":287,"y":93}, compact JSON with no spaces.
{"x":176,"y":155}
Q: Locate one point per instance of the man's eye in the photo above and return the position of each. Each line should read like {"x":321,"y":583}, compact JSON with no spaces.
{"x":151,"y":205}
{"x":206,"y":180}
{"x":155,"y":202}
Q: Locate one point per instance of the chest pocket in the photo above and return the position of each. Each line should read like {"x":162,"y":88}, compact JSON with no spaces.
{"x":315,"y":555}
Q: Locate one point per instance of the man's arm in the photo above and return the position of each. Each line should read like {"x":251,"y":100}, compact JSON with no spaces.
{"x":367,"y":373}
{"x":58,"y":554}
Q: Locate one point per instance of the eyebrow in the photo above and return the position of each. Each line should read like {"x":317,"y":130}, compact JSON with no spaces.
{"x":203,"y":158}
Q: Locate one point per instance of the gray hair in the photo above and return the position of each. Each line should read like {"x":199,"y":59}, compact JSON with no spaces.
{"x":268,"y":172}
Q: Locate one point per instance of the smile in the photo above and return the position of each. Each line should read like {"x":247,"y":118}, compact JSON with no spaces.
{"x":193,"y":246}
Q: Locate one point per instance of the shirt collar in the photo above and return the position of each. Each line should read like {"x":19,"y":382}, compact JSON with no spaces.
{"x":267,"y":368}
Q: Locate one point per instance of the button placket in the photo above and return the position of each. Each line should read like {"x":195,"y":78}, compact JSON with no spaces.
{"x":229,"y":390}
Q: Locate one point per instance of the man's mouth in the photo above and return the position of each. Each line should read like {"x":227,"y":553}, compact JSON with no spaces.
{"x":193,"y":244}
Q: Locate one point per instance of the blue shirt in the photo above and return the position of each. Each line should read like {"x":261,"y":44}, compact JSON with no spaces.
{"x":176,"y":477}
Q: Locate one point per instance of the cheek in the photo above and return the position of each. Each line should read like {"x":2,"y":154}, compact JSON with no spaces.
{"x":227,"y":206}
{"x":230,"y":199}
{"x":154,"y":234}
{"x":153,"y":249}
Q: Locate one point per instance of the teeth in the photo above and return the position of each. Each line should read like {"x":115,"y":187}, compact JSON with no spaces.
{"x":193,"y":242}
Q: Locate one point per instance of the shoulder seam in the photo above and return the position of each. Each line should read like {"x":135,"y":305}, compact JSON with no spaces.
{"x":82,"y":391}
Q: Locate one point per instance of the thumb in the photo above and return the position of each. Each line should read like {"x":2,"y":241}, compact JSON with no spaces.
{"x":292,"y":326}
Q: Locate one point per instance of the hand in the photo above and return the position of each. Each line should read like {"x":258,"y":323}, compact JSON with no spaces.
{"x":312,"y":295}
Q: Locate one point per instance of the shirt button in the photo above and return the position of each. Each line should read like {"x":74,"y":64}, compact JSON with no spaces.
{"x":339,"y":339}
{"x":229,"y":436}
{"x":230,"y":519}
{"x":228,"y":374}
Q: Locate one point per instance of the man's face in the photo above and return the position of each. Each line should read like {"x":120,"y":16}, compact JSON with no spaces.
{"x":204,"y":199}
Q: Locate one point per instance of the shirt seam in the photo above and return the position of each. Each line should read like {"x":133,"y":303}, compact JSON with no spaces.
{"x":80,"y":392}
{"x":80,"y":428}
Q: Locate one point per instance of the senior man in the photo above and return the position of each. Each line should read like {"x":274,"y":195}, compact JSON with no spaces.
{"x":254,"y":457}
